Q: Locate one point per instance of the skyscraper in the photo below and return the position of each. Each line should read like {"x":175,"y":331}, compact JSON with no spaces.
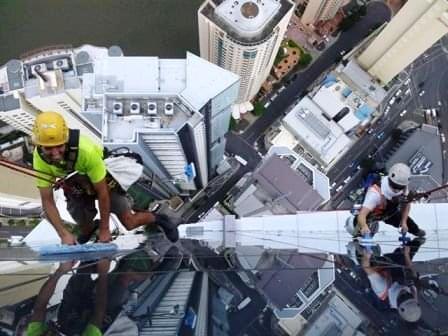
{"x":417,"y":26}
{"x":319,"y":10}
{"x":173,"y":112}
{"x":243,"y":36}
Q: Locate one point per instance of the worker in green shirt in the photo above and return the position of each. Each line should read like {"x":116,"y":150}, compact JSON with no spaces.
{"x":60,"y":151}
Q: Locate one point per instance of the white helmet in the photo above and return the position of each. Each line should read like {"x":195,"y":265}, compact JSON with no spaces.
{"x":399,"y":174}
{"x":350,"y":226}
{"x":410,"y":310}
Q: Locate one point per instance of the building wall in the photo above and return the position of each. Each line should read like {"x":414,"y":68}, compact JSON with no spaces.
{"x":64,"y":104}
{"x":317,"y":10}
{"x":330,"y":9}
{"x":219,"y":118}
{"x":312,"y":10}
{"x":251,"y":62}
{"x":21,"y":118}
{"x":416,"y":27}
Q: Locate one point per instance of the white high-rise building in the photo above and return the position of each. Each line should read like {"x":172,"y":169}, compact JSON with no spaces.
{"x":173,"y":112}
{"x":319,"y":10}
{"x":243,"y":36}
{"x":415,"y":28}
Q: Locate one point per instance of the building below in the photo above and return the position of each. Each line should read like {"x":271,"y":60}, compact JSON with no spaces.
{"x":277,"y":188}
{"x":421,"y":149}
{"x":243,"y":37}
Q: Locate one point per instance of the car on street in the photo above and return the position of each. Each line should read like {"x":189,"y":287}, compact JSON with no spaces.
{"x":434,"y":113}
{"x":421,"y":93}
{"x":407,"y":81}
{"x":402,"y":113}
{"x":338,"y":189}
{"x":392,"y":101}
{"x":333,"y":185}
{"x":442,"y":136}
{"x":281,"y":89}
{"x":439,"y":103}
{"x":398,"y":93}
{"x":380,"y":135}
{"x":386,"y":111}
{"x":407,"y":92}
{"x":348,"y":178}
{"x":421,"y":84}
{"x":267,"y":104}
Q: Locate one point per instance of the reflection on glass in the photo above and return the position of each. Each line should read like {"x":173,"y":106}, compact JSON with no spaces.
{"x":192,"y":288}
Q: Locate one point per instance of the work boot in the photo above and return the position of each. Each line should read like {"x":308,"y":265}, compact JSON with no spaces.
{"x":84,"y":238}
{"x":168,"y":227}
{"x":421,"y":233}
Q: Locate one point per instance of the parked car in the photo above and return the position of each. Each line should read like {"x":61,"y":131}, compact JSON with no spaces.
{"x":421,"y":93}
{"x":402,"y":113}
{"x":380,"y":135}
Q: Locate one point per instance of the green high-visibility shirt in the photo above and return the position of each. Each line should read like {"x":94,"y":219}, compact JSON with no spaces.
{"x":89,"y":162}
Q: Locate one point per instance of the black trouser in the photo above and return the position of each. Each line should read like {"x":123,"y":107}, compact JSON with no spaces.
{"x":395,"y":220}
{"x":392,"y":216}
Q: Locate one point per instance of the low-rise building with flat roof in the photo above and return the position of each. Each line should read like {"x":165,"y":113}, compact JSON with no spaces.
{"x":277,"y":188}
{"x":320,"y":136}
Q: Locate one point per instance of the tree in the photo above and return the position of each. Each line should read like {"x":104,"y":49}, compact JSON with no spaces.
{"x":305,"y":59}
{"x":280,"y":55}
{"x":258,"y":109}
{"x":292,"y":44}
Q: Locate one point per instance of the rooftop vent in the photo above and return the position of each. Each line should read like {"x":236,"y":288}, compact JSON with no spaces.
{"x":134,"y":108}
{"x":117,"y":107}
{"x":61,"y":64}
{"x":152,"y":108}
{"x":169,"y":108}
{"x":42,"y":67}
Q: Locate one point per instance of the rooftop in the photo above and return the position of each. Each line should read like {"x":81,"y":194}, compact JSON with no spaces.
{"x":341,"y":103}
{"x":167,"y":94}
{"x":307,"y":122}
{"x":423,"y":152}
{"x":247,"y":21}
{"x":362,"y":82}
{"x":281,"y":181}
{"x":319,"y":180}
{"x":248,"y":17}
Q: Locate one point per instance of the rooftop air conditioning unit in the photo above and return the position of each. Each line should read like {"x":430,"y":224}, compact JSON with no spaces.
{"x":152,"y":108}
{"x":169,"y":109}
{"x":61,"y":64}
{"x":117,"y":108}
{"x":134,"y":108}
{"x":42,"y":67}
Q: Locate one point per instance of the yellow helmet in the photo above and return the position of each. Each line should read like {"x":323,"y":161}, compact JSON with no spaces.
{"x":50,"y":130}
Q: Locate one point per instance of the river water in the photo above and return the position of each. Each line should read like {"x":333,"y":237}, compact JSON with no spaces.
{"x":164,"y":28}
